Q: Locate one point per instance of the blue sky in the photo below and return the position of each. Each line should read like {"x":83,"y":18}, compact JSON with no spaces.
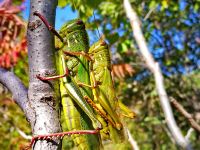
{"x":62,"y":15}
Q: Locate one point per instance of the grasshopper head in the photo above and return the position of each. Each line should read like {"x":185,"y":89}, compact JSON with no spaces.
{"x":75,"y":36}
{"x":71,"y":26}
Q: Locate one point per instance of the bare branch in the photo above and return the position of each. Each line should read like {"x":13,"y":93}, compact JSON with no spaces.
{"x":189,"y":132}
{"x":187,"y":115}
{"x":132,"y":141}
{"x":155,"y":69}
{"x":19,"y":92}
{"x":28,"y":137}
{"x":149,"y":13}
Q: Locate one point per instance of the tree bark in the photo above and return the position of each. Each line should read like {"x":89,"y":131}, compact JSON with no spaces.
{"x":42,"y":95}
{"x":19,"y":93}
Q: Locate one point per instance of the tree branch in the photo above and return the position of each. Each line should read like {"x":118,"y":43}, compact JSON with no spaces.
{"x":189,"y":132}
{"x":132,"y":141}
{"x":155,"y":69}
{"x":150,"y":12}
{"x":43,"y":96}
{"x":23,"y":134}
{"x":19,"y":92}
{"x":187,"y":115}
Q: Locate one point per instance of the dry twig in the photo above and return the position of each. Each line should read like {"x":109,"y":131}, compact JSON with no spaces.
{"x":187,"y":115}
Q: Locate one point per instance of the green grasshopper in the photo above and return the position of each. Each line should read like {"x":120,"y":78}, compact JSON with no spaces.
{"x":104,"y":95}
{"x":77,"y":40}
{"x":101,"y":73}
{"x":74,"y":105}
{"x":74,"y":116}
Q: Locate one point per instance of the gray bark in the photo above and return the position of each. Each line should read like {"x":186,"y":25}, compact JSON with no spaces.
{"x":19,"y":93}
{"x":41,"y":94}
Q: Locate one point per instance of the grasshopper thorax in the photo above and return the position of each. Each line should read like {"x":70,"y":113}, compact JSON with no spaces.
{"x":99,"y":46}
{"x":101,"y":54}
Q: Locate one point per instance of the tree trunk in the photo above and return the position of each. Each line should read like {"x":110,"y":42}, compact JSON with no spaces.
{"x":42,"y":95}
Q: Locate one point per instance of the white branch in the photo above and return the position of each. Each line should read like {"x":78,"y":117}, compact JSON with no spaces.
{"x":190,"y":131}
{"x":132,"y":141}
{"x":155,"y":69}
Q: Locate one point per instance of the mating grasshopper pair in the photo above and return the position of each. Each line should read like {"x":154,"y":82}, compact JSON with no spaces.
{"x":86,"y":83}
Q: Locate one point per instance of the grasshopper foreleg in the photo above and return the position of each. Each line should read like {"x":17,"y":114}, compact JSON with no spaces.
{"x":53,"y":77}
{"x":82,"y":53}
{"x":86,"y":85}
{"x":95,"y":84}
{"x":90,"y":86}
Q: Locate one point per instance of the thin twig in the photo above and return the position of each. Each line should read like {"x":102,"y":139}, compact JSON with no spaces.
{"x":189,"y":132}
{"x":132,"y":141}
{"x":187,"y":115}
{"x":149,"y":13}
{"x":24,"y":135}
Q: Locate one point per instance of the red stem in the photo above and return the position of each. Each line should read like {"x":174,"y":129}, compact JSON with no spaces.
{"x":60,"y":135}
{"x":53,"y":77}
{"x":50,"y":27}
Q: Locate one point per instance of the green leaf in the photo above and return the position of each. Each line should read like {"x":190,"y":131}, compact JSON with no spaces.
{"x":164,"y":4}
{"x":152,"y":4}
{"x":62,"y":3}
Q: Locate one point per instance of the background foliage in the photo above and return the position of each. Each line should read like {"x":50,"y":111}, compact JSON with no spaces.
{"x":171,"y":29}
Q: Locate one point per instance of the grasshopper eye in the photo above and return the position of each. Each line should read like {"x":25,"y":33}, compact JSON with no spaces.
{"x":103,"y":43}
{"x":79,"y":22}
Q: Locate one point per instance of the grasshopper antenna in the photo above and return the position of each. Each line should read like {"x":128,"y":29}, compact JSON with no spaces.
{"x":96,"y":26}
